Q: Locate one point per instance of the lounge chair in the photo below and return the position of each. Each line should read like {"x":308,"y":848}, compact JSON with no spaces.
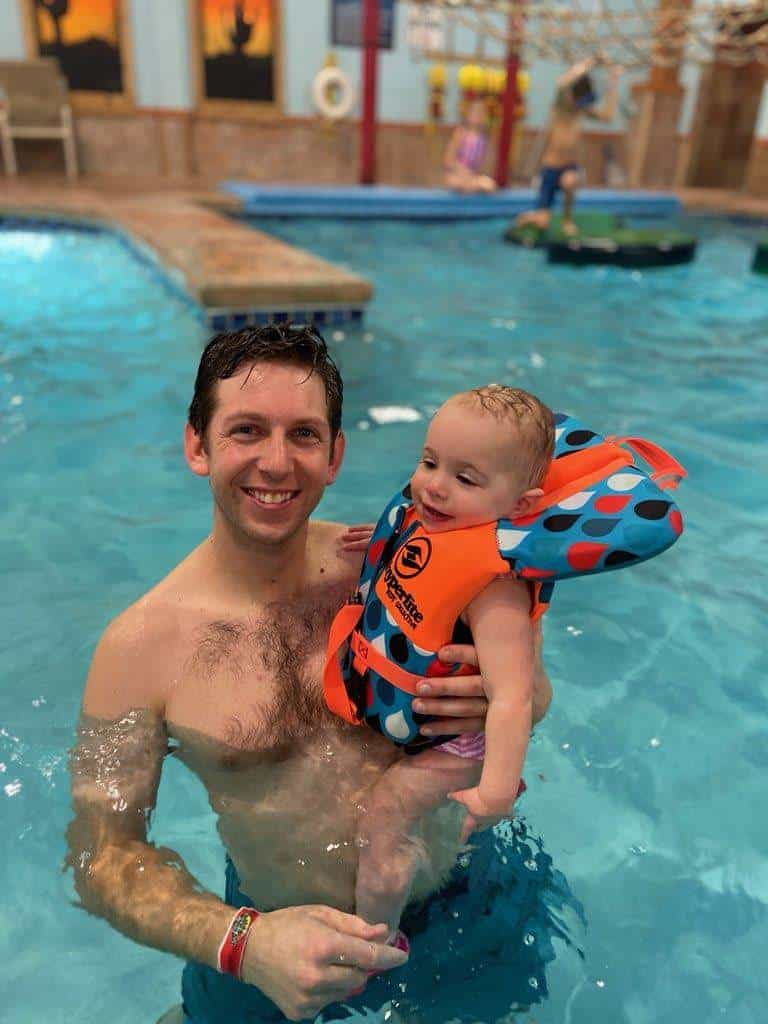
{"x":34,"y":104}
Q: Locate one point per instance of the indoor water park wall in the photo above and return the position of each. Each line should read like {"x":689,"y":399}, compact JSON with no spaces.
{"x":170,"y":114}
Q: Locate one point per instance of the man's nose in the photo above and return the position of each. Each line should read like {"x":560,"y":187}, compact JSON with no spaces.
{"x":274,"y":457}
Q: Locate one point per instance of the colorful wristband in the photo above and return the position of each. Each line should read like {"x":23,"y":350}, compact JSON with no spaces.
{"x":232,"y":948}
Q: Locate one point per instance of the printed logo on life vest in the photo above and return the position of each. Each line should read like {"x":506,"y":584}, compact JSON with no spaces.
{"x":413,"y":557}
{"x":402,"y":600}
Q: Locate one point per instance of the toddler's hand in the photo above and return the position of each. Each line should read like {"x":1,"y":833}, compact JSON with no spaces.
{"x":481,"y":815}
{"x":356,"y":538}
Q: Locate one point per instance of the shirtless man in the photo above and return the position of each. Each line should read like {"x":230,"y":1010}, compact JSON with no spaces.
{"x":220,"y":664}
{"x":560,"y":161}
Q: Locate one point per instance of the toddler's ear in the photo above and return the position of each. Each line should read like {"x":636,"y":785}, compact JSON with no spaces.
{"x":526,"y":503}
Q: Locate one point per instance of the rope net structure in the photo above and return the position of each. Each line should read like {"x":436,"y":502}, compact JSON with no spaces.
{"x":632,"y":33}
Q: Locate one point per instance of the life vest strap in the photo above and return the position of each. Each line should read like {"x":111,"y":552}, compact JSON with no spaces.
{"x":334,"y":690}
{"x":667,"y":472}
{"x":366,"y":656}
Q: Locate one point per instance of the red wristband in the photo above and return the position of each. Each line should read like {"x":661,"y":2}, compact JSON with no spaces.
{"x":232,"y":948}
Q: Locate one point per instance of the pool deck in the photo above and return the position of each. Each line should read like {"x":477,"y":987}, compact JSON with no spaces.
{"x":234,"y":272}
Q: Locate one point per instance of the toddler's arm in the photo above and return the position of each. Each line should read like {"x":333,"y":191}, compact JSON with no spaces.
{"x":499,"y":618}
{"x":391,"y":848}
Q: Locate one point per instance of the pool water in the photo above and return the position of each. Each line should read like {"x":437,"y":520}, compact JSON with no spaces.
{"x":646,"y":782}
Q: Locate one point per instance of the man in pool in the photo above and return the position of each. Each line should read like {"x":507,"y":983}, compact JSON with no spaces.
{"x":559,"y":170}
{"x":220,"y":663}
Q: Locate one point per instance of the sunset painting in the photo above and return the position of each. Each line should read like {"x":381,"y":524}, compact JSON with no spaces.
{"x":238,"y":41}
{"x":84,"y":35}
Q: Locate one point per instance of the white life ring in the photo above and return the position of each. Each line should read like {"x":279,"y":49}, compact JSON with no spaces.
{"x":327,"y":82}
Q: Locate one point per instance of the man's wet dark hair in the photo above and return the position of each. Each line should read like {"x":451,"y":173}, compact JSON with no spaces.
{"x":276,"y":343}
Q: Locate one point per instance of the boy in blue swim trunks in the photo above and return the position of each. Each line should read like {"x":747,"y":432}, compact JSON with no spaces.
{"x":560,"y":170}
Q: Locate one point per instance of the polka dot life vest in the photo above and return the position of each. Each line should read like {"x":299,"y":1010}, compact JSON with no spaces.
{"x":600,"y":511}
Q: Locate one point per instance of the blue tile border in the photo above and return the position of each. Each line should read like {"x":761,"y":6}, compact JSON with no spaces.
{"x":43,"y":222}
{"x":222,"y":320}
{"x":172,"y":281}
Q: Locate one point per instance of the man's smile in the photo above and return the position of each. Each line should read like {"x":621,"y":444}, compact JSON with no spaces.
{"x":269,"y":499}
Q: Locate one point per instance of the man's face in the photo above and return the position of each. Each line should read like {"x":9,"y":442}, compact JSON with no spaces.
{"x":267,"y":450}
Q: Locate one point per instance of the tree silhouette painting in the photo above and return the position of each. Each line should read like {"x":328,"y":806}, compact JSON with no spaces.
{"x":84,"y":38}
{"x":238,"y":40}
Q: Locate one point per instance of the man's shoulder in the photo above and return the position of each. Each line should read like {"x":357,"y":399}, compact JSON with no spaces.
{"x":123,"y":670}
{"x":325,"y":538}
{"x":137,"y":652}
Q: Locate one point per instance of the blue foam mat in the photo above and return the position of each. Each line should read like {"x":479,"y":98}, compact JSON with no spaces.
{"x":429,"y":203}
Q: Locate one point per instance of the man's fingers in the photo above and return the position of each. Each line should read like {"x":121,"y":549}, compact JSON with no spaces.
{"x":453,"y":726}
{"x":342,"y":979}
{"x":465,"y":653}
{"x":373,"y":956}
{"x":358,"y":531}
{"x":451,"y":707}
{"x":451,"y":686}
{"x":351,"y":924}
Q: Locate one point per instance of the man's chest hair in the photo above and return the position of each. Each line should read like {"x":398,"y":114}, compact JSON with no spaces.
{"x":263,"y":672}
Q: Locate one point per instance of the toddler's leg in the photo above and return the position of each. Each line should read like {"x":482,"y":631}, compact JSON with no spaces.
{"x":388,"y":836}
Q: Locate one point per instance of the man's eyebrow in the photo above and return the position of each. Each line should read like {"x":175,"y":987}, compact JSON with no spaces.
{"x":256,"y":417}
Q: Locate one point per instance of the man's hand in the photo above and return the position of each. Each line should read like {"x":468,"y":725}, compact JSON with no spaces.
{"x":304,"y":958}
{"x":357,"y":538}
{"x":457,"y":702}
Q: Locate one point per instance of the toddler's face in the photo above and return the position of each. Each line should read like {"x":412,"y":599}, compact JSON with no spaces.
{"x":468,"y":473}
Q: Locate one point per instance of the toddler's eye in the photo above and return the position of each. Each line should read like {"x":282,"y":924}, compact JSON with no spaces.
{"x":465,"y":480}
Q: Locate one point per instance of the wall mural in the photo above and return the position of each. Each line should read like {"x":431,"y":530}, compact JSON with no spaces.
{"x":238,"y":44}
{"x":85,"y":37}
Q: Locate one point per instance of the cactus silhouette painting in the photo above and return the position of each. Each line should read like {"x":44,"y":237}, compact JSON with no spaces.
{"x":83,"y":35}
{"x":237,"y":48}
{"x":243,"y":30}
{"x":57,"y":9}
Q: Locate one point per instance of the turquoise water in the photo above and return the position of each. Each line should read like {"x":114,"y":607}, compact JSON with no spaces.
{"x":646,"y":780}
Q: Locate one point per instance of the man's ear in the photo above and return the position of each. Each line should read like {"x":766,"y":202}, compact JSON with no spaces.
{"x":526,"y":503}
{"x":337,"y":457}
{"x":194,"y":451}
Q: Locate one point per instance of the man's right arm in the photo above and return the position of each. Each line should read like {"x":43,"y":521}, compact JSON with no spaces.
{"x":301,"y":957}
{"x":143,"y":890}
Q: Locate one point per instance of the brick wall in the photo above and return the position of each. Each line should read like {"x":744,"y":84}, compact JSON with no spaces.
{"x":175,"y":145}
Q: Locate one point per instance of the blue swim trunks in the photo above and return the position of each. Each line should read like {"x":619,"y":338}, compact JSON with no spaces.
{"x":550,"y":184}
{"x":479,"y":946}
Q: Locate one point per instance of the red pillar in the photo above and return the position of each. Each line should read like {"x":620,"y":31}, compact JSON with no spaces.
{"x":368,"y":124}
{"x":510,"y":103}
